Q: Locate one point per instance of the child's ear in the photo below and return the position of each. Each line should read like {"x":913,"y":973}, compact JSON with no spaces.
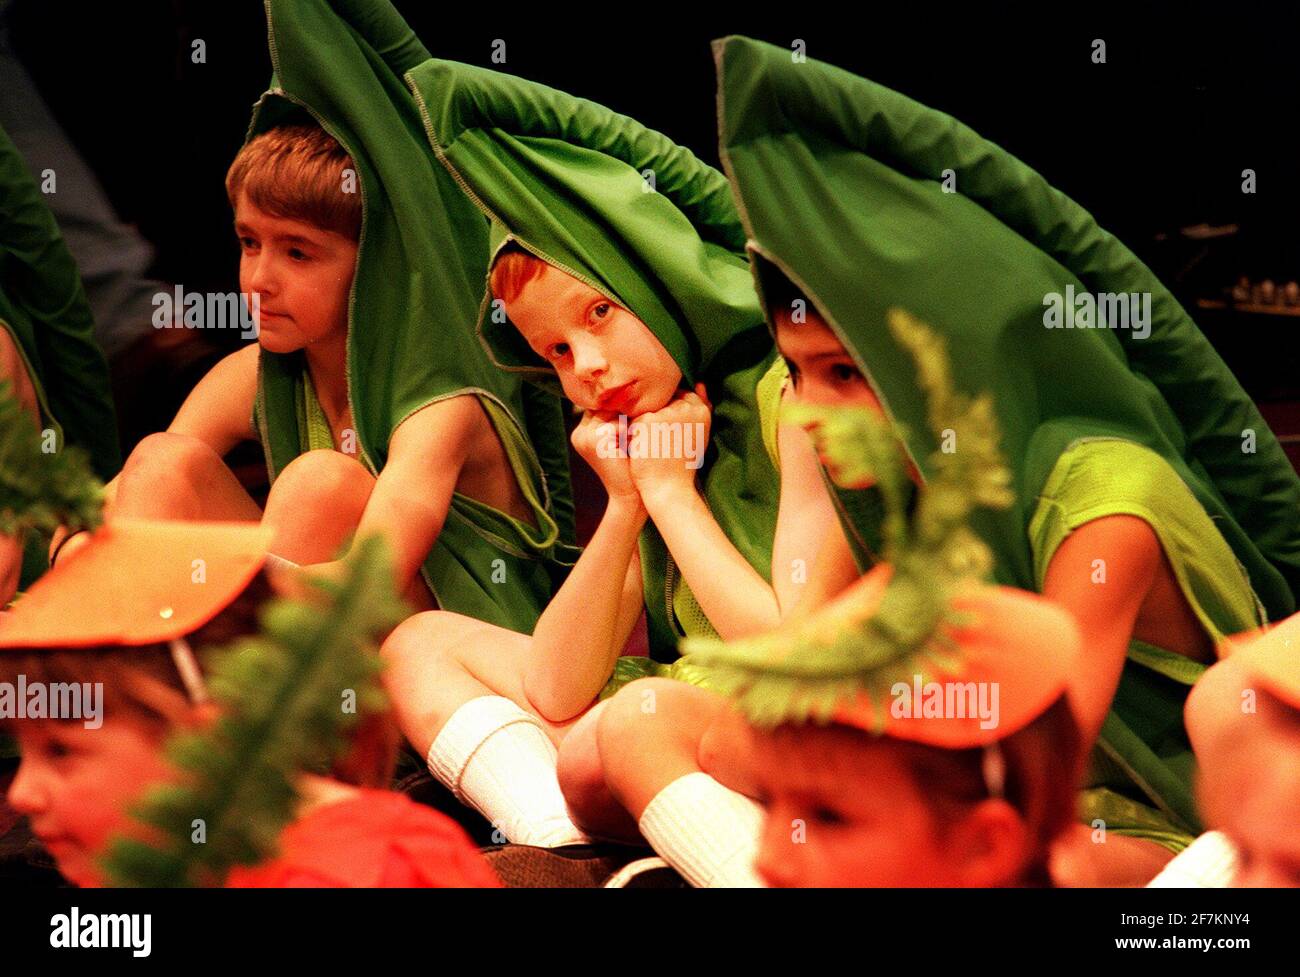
{"x":989,"y":845}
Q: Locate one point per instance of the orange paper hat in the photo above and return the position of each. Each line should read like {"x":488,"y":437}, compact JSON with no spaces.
{"x":1270,"y":657}
{"x":994,"y":661}
{"x":1009,"y":660}
{"x":137,"y":582}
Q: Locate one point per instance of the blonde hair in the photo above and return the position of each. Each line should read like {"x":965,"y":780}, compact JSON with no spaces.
{"x":298,"y":172}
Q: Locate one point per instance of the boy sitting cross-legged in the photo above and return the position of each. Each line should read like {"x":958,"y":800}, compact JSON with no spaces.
{"x":298,"y":229}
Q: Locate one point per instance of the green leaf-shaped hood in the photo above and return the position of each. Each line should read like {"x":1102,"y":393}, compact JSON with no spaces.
{"x":840,"y":183}
{"x":414,"y":304}
{"x":644,"y":222}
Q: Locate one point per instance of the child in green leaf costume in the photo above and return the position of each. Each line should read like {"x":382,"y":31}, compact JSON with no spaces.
{"x":1151,"y":498}
{"x":375,"y":406}
{"x":617,"y":278}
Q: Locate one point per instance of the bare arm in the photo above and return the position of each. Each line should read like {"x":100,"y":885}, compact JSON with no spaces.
{"x":219,"y":410}
{"x":834,"y":570}
{"x":1103,"y":573}
{"x":587,"y":623}
{"x":811,"y":559}
{"x":412,"y":495}
{"x":732,"y":594}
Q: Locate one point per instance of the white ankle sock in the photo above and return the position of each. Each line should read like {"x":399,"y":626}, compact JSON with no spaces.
{"x":498,"y":759}
{"x":1209,"y":862}
{"x":708,"y":832}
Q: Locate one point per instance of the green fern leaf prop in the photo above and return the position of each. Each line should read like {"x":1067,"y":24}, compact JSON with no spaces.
{"x":850,"y":649}
{"x":42,"y":490}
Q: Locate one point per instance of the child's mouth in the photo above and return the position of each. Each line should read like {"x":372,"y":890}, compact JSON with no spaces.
{"x":617,"y":400}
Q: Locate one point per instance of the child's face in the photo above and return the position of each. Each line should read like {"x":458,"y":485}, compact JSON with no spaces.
{"x":821,"y":370}
{"x":1250,"y":790}
{"x":75,"y":785}
{"x":843,"y":811}
{"x":302,"y":273}
{"x":824,"y":374}
{"x":606,"y":358}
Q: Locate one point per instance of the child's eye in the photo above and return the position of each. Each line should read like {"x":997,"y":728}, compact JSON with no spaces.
{"x":56,"y":750}
{"x":297,"y":254}
{"x":558,"y":351}
{"x":824,"y":815}
{"x":845,"y":373}
{"x":600,"y":310}
{"x":247,"y":243}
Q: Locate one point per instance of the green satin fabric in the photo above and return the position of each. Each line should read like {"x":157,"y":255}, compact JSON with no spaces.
{"x":843,"y":188}
{"x":43,"y":308}
{"x":840,"y":184}
{"x":644,"y":222}
{"x":414,"y":304}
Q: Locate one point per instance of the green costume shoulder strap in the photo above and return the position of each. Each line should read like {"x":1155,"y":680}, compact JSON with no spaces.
{"x":642,"y":221}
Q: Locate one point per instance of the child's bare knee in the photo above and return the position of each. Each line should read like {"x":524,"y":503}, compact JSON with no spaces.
{"x":324,"y":477}
{"x":416,"y":640}
{"x":578,"y":768}
{"x":628,"y":719}
{"x":166,"y":456}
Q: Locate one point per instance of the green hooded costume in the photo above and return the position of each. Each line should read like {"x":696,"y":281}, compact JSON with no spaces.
{"x":866,"y":200}
{"x":43,"y":308}
{"x":412,"y":310}
{"x":649,"y":226}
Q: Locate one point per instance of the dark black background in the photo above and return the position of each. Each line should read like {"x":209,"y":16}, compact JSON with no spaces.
{"x":1153,"y":140}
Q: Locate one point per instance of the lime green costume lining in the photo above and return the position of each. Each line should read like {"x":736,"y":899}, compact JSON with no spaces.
{"x":413,"y":308}
{"x":1143,"y":736}
{"x":866,"y":201}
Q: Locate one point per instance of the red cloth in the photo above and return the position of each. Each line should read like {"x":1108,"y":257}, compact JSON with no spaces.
{"x":377,"y":840}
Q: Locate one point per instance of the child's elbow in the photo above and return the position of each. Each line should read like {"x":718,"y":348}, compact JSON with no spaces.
{"x":550,"y":700}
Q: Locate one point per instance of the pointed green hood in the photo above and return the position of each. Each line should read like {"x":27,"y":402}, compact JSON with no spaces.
{"x":840,"y":184}
{"x":414,"y":304}
{"x":642,"y":221}
{"x":867,"y":201}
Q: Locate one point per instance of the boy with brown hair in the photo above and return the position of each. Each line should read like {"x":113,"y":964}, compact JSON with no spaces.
{"x":376,"y":409}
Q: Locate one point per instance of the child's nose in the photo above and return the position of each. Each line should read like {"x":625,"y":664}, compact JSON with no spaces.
{"x":26,"y":796}
{"x":261,"y":276}
{"x":777,"y":862}
{"x":588,"y":361}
